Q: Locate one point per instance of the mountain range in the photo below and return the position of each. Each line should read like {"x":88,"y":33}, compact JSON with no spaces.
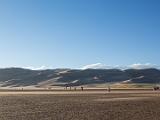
{"x":16,"y":77}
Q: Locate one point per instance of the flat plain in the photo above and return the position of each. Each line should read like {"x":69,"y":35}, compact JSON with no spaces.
{"x":80,"y":105}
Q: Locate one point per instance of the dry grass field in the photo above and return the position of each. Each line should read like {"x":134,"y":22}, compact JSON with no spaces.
{"x":80,"y":106}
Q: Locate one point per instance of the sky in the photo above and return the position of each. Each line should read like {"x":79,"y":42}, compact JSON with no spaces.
{"x":76,"y":33}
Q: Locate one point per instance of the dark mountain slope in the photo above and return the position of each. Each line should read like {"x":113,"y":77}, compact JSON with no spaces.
{"x":144,"y":76}
{"x":25,"y":77}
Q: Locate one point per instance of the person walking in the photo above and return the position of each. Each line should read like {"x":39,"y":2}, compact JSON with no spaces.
{"x":109,"y":89}
{"x":82,"y":88}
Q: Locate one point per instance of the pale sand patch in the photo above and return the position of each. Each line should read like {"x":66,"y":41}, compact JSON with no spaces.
{"x":122,"y":99}
{"x":57,"y":91}
{"x":49,"y":92}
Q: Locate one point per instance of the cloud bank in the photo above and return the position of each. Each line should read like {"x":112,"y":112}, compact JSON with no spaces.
{"x":103,"y":66}
{"x":96,"y":66}
{"x":133,"y":66}
{"x":38,"y":68}
{"x":142,"y":66}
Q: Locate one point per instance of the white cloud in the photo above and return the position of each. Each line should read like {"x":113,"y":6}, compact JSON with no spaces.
{"x":38,"y":68}
{"x":96,"y":66}
{"x":142,"y":66}
{"x":133,"y":66}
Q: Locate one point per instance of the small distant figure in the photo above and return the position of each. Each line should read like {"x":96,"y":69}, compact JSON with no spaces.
{"x":66,"y":88}
{"x":109,"y":89}
{"x":82,"y":88}
{"x":22,"y":89}
{"x":70,"y":88}
{"x":156,"y":88}
{"x":75,"y":88}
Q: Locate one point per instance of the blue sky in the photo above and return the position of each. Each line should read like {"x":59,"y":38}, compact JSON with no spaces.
{"x":74,"y":33}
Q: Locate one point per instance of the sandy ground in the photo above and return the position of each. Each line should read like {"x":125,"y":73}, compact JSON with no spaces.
{"x":78,"y":91}
{"x":79,"y":105}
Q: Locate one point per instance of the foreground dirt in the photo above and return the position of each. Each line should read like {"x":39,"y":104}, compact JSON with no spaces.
{"x":108,"y":106}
